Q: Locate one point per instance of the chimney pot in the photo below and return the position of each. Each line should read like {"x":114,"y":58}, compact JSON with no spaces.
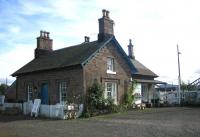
{"x":45,"y":34}
{"x":87,"y":39}
{"x":130,"y":42}
{"x":48,"y":35}
{"x":104,"y":12}
{"x":107,"y":14}
{"x":41,"y":33}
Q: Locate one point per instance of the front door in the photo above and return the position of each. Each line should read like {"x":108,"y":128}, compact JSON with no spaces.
{"x":44,"y":94}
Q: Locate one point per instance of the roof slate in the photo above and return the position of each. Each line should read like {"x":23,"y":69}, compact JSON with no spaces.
{"x":142,"y":70}
{"x":79,"y":55}
{"x":70,"y":56}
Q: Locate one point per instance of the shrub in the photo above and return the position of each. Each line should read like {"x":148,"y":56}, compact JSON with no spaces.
{"x":129,"y":96}
{"x":3,"y":88}
{"x":96,"y":104}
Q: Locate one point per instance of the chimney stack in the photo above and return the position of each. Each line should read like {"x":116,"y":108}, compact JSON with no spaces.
{"x":131,"y":50}
{"x":44,"y":44}
{"x":105,"y":26}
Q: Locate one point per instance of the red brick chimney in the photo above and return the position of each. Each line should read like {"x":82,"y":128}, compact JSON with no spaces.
{"x":44,"y":44}
{"x":105,"y":26}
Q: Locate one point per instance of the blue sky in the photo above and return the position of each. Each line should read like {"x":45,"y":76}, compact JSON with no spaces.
{"x":155,"y":28}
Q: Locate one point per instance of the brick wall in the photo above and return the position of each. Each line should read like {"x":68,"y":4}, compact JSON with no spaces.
{"x":73,"y":77}
{"x":78,"y":79}
{"x":97,"y":67}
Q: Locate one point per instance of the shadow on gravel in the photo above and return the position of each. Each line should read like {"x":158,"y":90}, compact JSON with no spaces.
{"x":11,"y":118}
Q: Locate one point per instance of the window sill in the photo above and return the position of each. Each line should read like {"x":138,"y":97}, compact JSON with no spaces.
{"x":110,"y":72}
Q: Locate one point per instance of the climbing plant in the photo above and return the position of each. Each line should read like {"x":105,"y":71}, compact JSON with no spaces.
{"x":129,"y":95}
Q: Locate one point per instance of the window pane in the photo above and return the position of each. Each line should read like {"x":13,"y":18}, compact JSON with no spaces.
{"x":30,"y":92}
{"x":111,"y":90}
{"x":110,"y":64}
{"x":63,"y":91}
{"x":109,"y":94}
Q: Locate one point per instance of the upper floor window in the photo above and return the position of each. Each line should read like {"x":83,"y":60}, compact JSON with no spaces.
{"x":30,"y":92}
{"x":110,"y":66}
{"x":63,"y":92}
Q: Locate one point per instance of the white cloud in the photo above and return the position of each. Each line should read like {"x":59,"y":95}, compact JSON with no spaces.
{"x":14,"y":59}
{"x":14,"y":29}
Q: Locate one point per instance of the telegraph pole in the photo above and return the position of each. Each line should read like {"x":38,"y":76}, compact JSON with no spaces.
{"x":179,"y":77}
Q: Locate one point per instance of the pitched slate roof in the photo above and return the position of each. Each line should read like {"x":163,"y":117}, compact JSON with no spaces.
{"x":142,"y":70}
{"x":70,"y":56}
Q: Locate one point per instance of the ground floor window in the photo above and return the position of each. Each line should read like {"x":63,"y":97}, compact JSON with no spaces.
{"x":111,"y":90}
{"x":30,"y":92}
{"x":63,"y":92}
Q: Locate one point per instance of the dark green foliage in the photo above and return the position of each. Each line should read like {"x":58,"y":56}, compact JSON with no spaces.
{"x":95,"y":96}
{"x":96,"y":104}
{"x":3,"y":88}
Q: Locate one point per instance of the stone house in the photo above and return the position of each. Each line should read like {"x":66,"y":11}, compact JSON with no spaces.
{"x":57,"y":76}
{"x":64,"y":75}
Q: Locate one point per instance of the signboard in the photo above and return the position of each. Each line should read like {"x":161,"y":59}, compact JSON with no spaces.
{"x":35,"y":108}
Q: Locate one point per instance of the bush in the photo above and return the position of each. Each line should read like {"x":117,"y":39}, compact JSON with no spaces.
{"x":129,"y":96}
{"x":96,"y":104}
{"x":3,"y":88}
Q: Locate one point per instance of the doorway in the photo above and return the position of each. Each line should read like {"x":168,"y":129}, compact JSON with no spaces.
{"x":44,"y":94}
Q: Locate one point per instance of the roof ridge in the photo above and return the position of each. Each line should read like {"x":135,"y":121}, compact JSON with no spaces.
{"x":74,"y":46}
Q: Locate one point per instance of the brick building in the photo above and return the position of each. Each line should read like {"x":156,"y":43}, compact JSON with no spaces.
{"x":57,"y":76}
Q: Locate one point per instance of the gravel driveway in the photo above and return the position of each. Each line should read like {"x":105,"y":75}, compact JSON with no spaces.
{"x":155,"y":122}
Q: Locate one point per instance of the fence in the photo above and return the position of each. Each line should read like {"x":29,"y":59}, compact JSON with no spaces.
{"x":51,"y":111}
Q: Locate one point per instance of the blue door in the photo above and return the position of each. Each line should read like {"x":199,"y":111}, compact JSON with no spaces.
{"x":44,"y":94}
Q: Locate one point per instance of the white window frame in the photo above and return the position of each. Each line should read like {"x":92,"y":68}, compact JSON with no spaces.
{"x":30,"y":92}
{"x":62,"y":91}
{"x":110,"y":65}
{"x":112,"y":90}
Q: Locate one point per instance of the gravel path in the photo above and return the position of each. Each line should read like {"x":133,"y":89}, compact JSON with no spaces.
{"x":156,"y":122}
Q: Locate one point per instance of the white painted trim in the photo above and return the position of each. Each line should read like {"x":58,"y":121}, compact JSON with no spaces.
{"x":110,"y":72}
